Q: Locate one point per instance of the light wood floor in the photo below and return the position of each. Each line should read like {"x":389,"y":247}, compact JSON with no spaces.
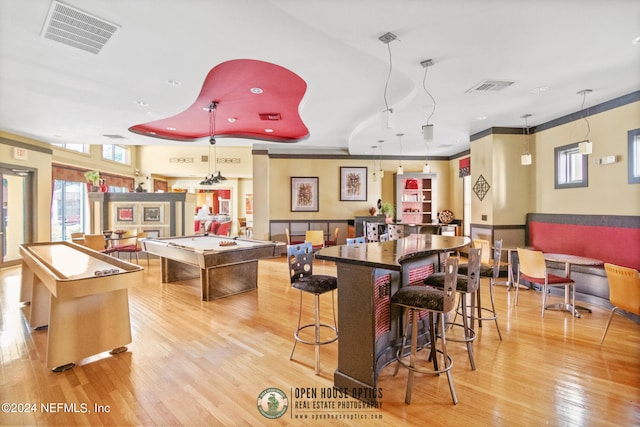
{"x":205,"y":363}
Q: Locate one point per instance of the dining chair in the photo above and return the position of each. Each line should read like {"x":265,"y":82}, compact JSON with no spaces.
{"x":395,"y":231}
{"x":289,"y":241}
{"x":77,"y":238}
{"x":333,"y":242}
{"x":97,"y":242}
{"x":131,"y":245}
{"x":624,"y":291}
{"x":316,"y":238}
{"x":533,"y":268}
{"x":372,"y":232}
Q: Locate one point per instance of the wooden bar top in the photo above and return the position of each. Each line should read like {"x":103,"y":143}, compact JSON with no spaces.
{"x":388,"y":255}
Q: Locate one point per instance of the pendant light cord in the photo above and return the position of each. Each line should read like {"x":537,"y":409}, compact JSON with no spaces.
{"x":424,"y":86}
{"x":584,"y":116}
{"x":386,"y":85}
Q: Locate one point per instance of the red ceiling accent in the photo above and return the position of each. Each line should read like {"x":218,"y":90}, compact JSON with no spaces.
{"x":240,"y":111}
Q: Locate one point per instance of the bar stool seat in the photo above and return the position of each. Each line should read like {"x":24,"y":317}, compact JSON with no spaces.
{"x":465,"y":285}
{"x":419,"y":298}
{"x":300,"y":258}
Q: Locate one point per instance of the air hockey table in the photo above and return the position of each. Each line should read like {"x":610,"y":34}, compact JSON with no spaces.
{"x":225,"y":265}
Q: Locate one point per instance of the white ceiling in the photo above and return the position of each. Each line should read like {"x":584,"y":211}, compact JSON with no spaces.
{"x":56,"y":93}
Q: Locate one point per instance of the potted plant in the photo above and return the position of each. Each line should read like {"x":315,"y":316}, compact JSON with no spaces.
{"x":93,"y":180}
{"x":387,"y":209}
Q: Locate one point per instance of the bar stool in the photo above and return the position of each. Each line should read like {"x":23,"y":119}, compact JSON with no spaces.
{"x":465,"y":285}
{"x":300,"y":258}
{"x":419,"y":298}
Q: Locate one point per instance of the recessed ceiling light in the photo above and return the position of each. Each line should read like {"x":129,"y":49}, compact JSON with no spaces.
{"x":540,"y":89}
{"x":256,"y":90}
{"x":268,"y":130}
{"x":636,"y":40}
{"x":141,"y":103}
{"x":482,"y":118}
{"x":173,"y":82}
{"x":231,"y":119}
{"x":171,"y":128}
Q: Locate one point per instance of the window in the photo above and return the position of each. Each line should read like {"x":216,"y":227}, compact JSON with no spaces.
{"x":571,"y":167}
{"x":634,"y":156}
{"x":80,"y":148}
{"x":68,"y":206}
{"x":116,"y":153}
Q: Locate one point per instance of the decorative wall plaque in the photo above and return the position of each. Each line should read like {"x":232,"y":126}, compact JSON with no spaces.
{"x":481,"y":187}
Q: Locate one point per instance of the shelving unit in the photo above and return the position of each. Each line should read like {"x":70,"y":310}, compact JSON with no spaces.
{"x":415,"y":198}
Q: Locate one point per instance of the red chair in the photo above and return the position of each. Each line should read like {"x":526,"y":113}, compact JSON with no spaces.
{"x":223,"y":229}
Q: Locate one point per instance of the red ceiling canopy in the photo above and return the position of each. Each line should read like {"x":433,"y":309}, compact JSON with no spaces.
{"x":253,"y":99}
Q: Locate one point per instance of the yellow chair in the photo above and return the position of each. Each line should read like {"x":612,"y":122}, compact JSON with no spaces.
{"x":333,"y":242}
{"x":533,"y":268}
{"x":624,"y":291}
{"x":77,"y":238}
{"x":97,"y":242}
{"x":289,"y":242}
{"x":316,"y":238}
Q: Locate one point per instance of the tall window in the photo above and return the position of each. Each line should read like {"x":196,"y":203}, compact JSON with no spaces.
{"x":116,"y":153}
{"x":81,"y":148}
{"x":68,"y":206}
{"x":634,"y":156}
{"x":571,"y":167}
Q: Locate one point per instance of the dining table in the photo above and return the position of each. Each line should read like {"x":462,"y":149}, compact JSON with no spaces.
{"x":569,"y":260}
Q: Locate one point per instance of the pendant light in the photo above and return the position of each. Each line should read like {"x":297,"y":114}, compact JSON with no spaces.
{"x":526,"y":159}
{"x":381,"y":172}
{"x":427,"y":130}
{"x":212,"y":178}
{"x":387,"y":118}
{"x":585,"y":146}
{"x":375,"y":176}
{"x":400,"y":170}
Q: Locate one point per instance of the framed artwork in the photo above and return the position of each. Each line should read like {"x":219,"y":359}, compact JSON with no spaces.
{"x":124,"y":214}
{"x":353,"y":184}
{"x":153,"y":234}
{"x":151,"y":214}
{"x":304,"y":194}
{"x":249,"y":204}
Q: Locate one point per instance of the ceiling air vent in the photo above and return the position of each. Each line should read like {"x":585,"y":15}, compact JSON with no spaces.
{"x":113,"y":136}
{"x":73,"y":27}
{"x":490,"y":86}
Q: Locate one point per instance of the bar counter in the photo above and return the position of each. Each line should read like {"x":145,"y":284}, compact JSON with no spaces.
{"x":368,"y":274}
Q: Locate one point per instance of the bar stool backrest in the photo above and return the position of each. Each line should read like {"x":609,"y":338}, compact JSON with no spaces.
{"x":497,"y":254}
{"x":473,"y":270}
{"x":300,"y":258}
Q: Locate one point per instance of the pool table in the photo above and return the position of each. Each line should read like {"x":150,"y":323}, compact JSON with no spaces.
{"x":225,"y":265}
{"x":80,"y":296}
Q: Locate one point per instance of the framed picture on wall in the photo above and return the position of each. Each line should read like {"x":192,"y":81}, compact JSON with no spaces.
{"x":152,"y":214}
{"x":353,"y":184}
{"x":304,"y":194}
{"x":124,"y":214}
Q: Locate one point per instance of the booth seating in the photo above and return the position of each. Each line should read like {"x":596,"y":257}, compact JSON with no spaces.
{"x":610,"y":238}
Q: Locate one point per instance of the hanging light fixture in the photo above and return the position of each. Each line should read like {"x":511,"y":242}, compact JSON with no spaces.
{"x":427,"y":130}
{"x":585,"y":146}
{"x":375,"y":176}
{"x":388,"y":119}
{"x":426,"y":168}
{"x":381,"y":172}
{"x":400,"y":170}
{"x":212,"y":178}
{"x":526,"y":159}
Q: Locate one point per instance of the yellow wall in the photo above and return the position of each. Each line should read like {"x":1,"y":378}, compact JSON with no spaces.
{"x":608,"y":192}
